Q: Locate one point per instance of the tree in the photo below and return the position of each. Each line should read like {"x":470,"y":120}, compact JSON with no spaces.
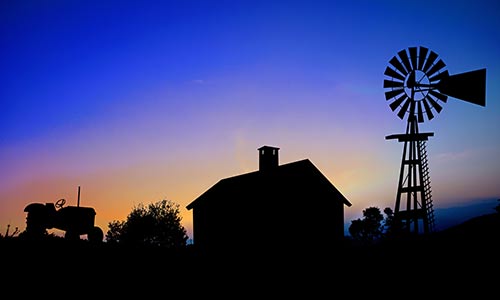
{"x":391,"y":227}
{"x":370,"y":228}
{"x":115,"y":230}
{"x":157,"y":224}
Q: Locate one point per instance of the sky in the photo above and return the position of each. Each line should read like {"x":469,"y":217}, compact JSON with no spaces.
{"x":139,"y":101}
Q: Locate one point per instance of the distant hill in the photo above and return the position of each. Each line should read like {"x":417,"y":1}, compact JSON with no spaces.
{"x":480,"y":227}
{"x":447,"y":217}
{"x":454,"y":215}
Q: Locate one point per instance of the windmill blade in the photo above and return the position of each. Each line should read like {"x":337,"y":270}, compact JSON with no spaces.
{"x":393,"y":84}
{"x":439,"y":76}
{"x":434,"y":103}
{"x":404,"y":108}
{"x":397,"y":102}
{"x":410,"y":83}
{"x":469,"y":86}
{"x":404,"y":58}
{"x":438,"y":66}
{"x":421,"y":58}
{"x":390,"y":72}
{"x":430,"y":61}
{"x":420,"y":115}
{"x":413,"y":57}
{"x":428,"y":110}
{"x":395,"y":62}
{"x":393,"y":93}
{"x":440,"y":96}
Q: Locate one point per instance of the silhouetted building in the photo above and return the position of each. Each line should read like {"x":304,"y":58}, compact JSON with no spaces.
{"x":277,"y":207}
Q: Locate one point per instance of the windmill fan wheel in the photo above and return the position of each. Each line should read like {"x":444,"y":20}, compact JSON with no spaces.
{"x":411,"y":83}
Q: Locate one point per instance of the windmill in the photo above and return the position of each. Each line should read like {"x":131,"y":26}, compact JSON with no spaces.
{"x":417,"y":85}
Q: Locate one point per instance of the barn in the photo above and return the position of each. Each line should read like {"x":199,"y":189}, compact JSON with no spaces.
{"x":288,"y":206}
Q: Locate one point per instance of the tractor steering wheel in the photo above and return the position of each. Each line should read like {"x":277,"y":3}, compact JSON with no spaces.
{"x":60,"y":203}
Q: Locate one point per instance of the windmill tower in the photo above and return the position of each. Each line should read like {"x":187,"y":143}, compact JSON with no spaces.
{"x":416,"y":86}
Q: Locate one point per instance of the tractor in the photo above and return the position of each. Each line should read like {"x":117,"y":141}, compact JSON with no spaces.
{"x":74,"y":220}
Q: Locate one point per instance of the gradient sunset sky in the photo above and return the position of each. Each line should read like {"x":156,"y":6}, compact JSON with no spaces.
{"x":139,"y":101}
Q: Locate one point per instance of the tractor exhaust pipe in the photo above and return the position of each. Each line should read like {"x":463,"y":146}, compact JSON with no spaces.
{"x":78,"y":203}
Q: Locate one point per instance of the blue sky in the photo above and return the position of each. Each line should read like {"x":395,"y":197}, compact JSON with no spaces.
{"x":137,"y":101}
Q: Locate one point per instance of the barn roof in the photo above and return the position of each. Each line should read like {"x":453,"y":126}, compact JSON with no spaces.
{"x":302,"y":172}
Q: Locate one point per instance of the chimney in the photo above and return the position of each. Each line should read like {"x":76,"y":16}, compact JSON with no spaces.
{"x":268,"y":158}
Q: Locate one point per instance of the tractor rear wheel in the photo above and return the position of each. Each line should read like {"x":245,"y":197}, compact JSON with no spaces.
{"x":71,"y":236}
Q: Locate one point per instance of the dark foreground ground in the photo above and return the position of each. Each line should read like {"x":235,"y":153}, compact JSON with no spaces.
{"x":462,"y":261}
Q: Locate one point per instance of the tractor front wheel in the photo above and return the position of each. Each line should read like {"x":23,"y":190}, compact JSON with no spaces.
{"x":95,"y":235}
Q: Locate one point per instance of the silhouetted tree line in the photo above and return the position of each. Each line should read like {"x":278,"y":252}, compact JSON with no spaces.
{"x":158,"y":224}
{"x":374,"y":227}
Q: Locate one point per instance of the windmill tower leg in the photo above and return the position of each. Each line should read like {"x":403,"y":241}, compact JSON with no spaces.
{"x":413,"y":212}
